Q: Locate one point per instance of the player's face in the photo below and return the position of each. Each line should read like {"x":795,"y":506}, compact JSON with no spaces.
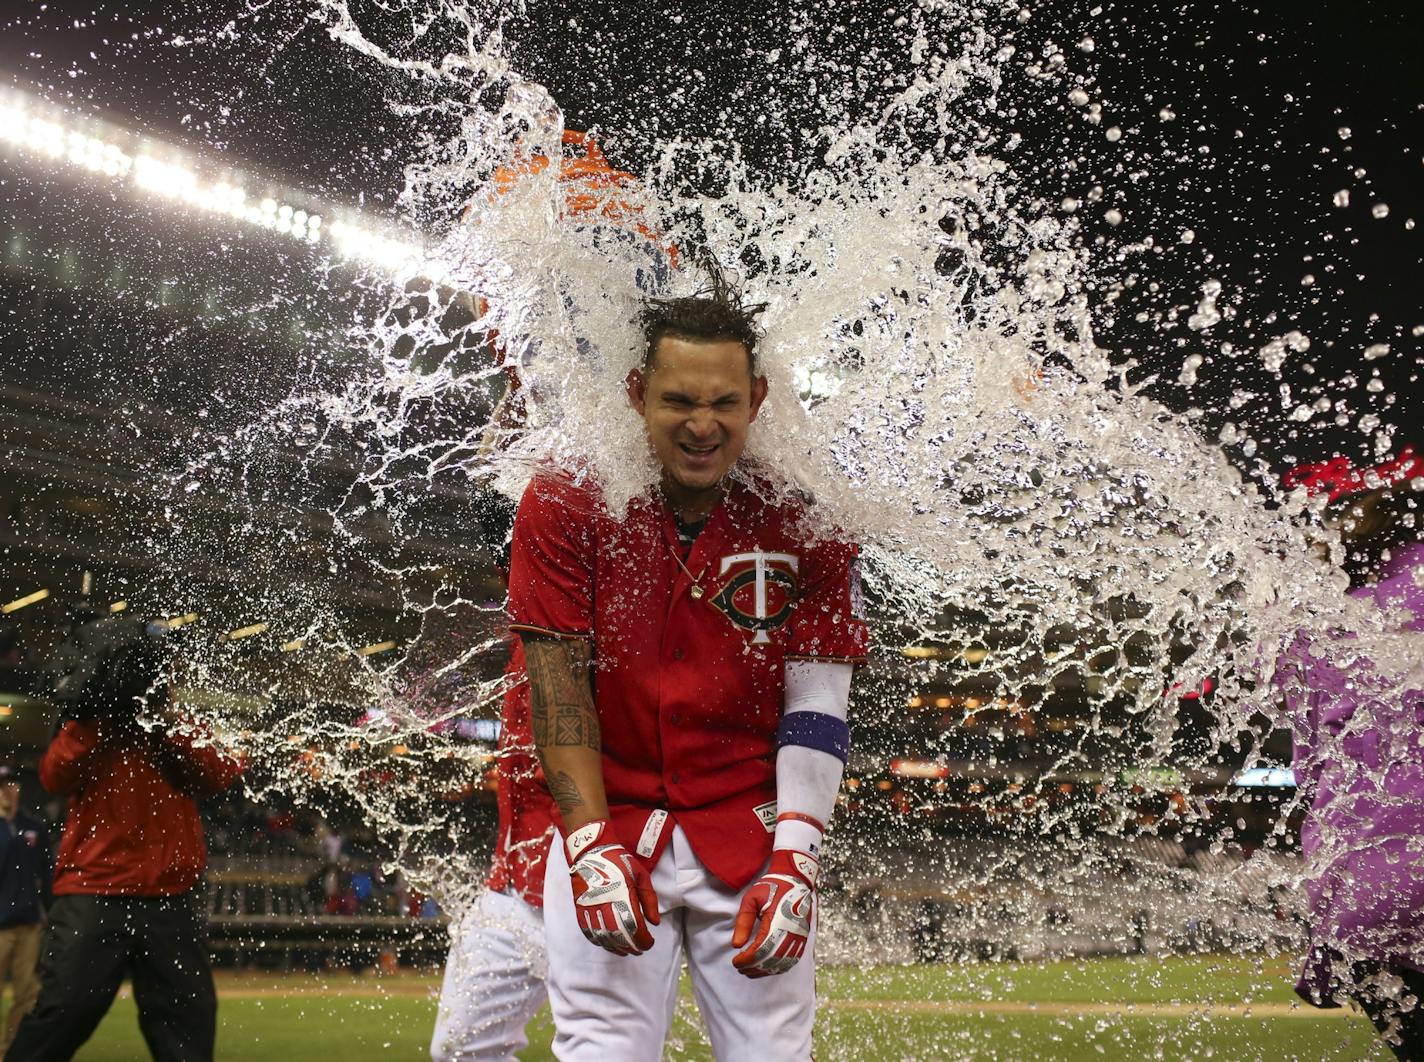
{"x":698,"y":399}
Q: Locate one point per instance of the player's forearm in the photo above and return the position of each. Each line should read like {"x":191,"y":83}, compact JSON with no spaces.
{"x":566,"y":730}
{"x":807,"y":784}
{"x":813,"y":744}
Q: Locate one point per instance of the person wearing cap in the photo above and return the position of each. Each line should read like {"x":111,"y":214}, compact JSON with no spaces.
{"x":1359,"y":758}
{"x":24,"y":894}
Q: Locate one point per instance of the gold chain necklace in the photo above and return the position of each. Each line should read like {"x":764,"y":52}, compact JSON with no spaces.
{"x":697,"y":580}
{"x":696,"y":590}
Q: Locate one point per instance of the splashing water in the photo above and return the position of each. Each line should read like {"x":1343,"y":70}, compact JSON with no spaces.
{"x":1045,"y":543}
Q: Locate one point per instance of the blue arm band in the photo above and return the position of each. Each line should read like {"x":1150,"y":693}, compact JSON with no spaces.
{"x":815,"y":730}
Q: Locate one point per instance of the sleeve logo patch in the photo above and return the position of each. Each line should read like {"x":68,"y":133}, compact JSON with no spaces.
{"x":767,"y":813}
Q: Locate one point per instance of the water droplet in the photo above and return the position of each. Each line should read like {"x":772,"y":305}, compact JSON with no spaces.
{"x":1380,"y":210}
{"x":1344,"y":132}
{"x":1167,"y":114}
{"x":1308,"y":281}
{"x":1376,"y":350}
{"x":1206,"y":313}
{"x":1086,"y":44}
{"x":1114,"y":134}
{"x":1342,"y":197}
{"x":1113,"y":216}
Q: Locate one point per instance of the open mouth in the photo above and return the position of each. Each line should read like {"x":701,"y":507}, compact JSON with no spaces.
{"x":698,"y":453}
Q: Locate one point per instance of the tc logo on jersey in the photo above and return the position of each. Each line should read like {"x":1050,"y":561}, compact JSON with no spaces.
{"x":761,"y":592}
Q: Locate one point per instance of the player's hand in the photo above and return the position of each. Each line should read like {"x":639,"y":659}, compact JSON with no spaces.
{"x":613,"y":894}
{"x":776,"y":915}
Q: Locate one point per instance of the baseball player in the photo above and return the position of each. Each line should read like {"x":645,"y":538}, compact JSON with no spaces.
{"x":494,"y":975}
{"x":1358,"y":755}
{"x":689,"y":663}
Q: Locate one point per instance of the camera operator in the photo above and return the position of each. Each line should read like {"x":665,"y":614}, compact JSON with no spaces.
{"x":127,"y":900}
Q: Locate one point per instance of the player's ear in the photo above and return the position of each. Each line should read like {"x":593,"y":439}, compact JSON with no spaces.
{"x":758,"y":395}
{"x":637,"y":388}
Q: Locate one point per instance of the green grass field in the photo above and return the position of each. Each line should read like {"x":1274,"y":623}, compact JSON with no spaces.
{"x":1184,"y":1008}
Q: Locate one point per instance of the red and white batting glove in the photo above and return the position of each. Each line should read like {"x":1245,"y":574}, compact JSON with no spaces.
{"x":613,"y":895}
{"x":781,"y":905}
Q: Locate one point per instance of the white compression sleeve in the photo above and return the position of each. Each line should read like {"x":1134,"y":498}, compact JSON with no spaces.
{"x":807,"y":780}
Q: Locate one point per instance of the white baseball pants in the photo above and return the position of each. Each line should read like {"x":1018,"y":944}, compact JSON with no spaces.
{"x":494,"y":982}
{"x":620,"y":1007}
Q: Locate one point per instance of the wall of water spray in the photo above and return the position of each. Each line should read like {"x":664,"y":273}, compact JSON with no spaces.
{"x":1037,"y":523}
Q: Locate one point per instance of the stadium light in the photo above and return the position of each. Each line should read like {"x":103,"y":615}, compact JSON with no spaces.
{"x":172,"y":623}
{"x":907,"y":768}
{"x":22,"y":602}
{"x":378,"y":647}
{"x":246,"y":632}
{"x":118,"y":606}
{"x":105,"y":151}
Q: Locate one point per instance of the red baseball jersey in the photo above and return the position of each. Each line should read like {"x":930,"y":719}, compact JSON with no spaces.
{"x":526,"y":811}
{"x":688,"y":676}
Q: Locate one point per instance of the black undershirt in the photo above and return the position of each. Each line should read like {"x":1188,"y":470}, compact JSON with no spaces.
{"x":687,"y":531}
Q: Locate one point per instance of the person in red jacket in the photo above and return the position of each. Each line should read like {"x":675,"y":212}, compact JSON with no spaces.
{"x":127,"y":901}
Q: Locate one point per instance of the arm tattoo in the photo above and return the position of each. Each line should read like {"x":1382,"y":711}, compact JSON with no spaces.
{"x":574,"y":725}
{"x":561,"y":705}
{"x":565,"y":792}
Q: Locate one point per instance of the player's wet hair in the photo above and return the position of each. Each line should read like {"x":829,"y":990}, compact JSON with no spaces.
{"x":716,"y":311}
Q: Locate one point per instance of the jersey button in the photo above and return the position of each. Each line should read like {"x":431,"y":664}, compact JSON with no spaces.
{"x":676,"y":777}
{"x":677,"y":654}
{"x":675,"y":719}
